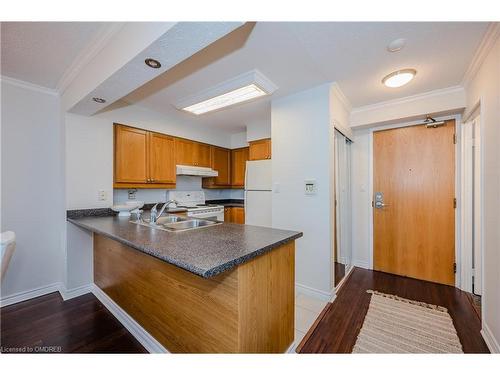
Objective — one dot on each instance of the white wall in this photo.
(259, 129)
(239, 140)
(361, 199)
(484, 88)
(89, 150)
(32, 196)
(302, 149)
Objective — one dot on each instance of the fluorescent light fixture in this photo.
(241, 89)
(240, 95)
(399, 78)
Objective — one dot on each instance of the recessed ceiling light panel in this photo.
(399, 78)
(240, 95)
(152, 63)
(99, 100)
(396, 45)
(240, 89)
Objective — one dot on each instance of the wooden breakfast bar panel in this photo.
(249, 308)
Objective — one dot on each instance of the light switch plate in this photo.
(310, 187)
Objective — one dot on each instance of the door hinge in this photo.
(454, 139)
(454, 268)
(372, 204)
(454, 202)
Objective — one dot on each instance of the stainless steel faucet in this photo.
(154, 212)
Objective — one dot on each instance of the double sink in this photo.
(172, 223)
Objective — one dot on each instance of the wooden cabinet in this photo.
(189, 152)
(221, 162)
(203, 157)
(260, 150)
(131, 154)
(142, 158)
(162, 168)
(184, 151)
(234, 215)
(239, 159)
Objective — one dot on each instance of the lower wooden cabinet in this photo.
(234, 215)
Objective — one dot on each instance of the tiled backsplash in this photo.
(191, 183)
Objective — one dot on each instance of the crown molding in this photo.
(408, 99)
(28, 85)
(341, 96)
(490, 36)
(88, 53)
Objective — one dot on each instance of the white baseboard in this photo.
(490, 340)
(29, 294)
(315, 293)
(143, 336)
(361, 264)
(342, 282)
(75, 292)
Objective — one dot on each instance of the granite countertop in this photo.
(205, 251)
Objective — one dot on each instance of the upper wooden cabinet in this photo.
(131, 154)
(260, 150)
(162, 167)
(142, 158)
(221, 162)
(239, 159)
(192, 153)
(184, 151)
(203, 155)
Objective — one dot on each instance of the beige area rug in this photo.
(398, 325)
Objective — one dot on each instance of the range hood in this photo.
(189, 170)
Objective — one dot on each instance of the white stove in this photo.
(194, 202)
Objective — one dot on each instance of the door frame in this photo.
(458, 166)
(474, 114)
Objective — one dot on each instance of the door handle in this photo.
(379, 200)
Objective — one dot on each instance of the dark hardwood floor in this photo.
(78, 325)
(339, 326)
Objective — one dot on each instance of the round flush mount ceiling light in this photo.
(99, 100)
(399, 78)
(396, 45)
(152, 63)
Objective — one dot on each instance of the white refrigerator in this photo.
(258, 193)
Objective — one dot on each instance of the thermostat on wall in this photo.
(310, 187)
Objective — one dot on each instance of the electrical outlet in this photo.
(102, 195)
(131, 194)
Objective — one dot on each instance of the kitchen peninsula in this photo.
(227, 288)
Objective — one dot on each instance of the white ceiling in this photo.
(297, 55)
(293, 55)
(41, 52)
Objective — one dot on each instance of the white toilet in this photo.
(8, 240)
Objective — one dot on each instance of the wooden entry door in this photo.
(414, 232)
